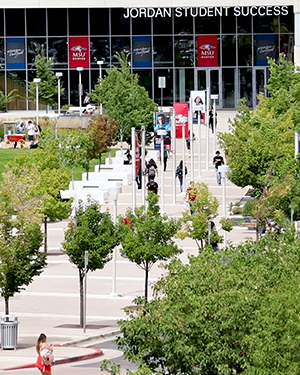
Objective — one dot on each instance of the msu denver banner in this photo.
(141, 52)
(79, 52)
(208, 50)
(15, 53)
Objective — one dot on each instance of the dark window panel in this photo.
(244, 24)
(1, 22)
(95, 74)
(184, 51)
(78, 21)
(168, 98)
(74, 82)
(141, 26)
(17, 80)
(36, 22)
(34, 47)
(163, 25)
(2, 54)
(15, 22)
(229, 50)
(100, 50)
(229, 24)
(99, 21)
(163, 51)
(245, 50)
(287, 46)
(228, 90)
(183, 25)
(265, 24)
(145, 79)
(58, 52)
(119, 24)
(57, 22)
(287, 22)
(207, 25)
(184, 84)
(245, 85)
(119, 45)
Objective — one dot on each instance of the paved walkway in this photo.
(51, 303)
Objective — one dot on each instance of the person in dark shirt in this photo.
(152, 186)
(217, 161)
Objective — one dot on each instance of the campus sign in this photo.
(207, 11)
(79, 52)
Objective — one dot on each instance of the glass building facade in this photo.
(193, 48)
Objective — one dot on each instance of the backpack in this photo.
(152, 186)
(151, 171)
(47, 356)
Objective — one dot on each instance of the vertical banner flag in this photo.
(181, 119)
(199, 105)
(137, 155)
(141, 52)
(15, 53)
(79, 52)
(162, 121)
(266, 46)
(208, 50)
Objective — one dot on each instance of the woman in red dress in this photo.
(41, 344)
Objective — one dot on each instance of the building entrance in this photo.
(260, 79)
(210, 77)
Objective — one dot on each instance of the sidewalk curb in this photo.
(97, 353)
(117, 331)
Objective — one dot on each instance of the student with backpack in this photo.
(151, 170)
(179, 173)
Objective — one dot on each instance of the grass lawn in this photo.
(8, 154)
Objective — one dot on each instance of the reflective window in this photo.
(207, 25)
(15, 22)
(183, 25)
(1, 22)
(119, 45)
(184, 51)
(145, 79)
(245, 50)
(58, 52)
(119, 24)
(2, 81)
(228, 90)
(99, 21)
(74, 82)
(287, 46)
(141, 26)
(287, 22)
(99, 48)
(245, 85)
(17, 80)
(34, 47)
(228, 24)
(229, 50)
(162, 25)
(244, 24)
(168, 91)
(57, 22)
(95, 74)
(36, 22)
(265, 24)
(184, 84)
(163, 50)
(2, 54)
(78, 21)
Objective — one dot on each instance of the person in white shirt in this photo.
(31, 131)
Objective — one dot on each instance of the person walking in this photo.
(41, 346)
(152, 186)
(179, 173)
(191, 196)
(218, 161)
(211, 118)
(151, 170)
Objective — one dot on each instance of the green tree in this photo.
(102, 130)
(204, 209)
(125, 100)
(5, 99)
(48, 87)
(20, 233)
(235, 311)
(92, 231)
(148, 239)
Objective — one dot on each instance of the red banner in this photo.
(137, 155)
(79, 52)
(181, 119)
(208, 50)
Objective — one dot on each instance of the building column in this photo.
(297, 39)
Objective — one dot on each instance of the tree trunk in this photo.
(146, 281)
(81, 277)
(6, 299)
(45, 236)
(99, 167)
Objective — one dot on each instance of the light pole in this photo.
(161, 85)
(37, 81)
(58, 75)
(224, 169)
(214, 97)
(86, 262)
(100, 63)
(162, 133)
(80, 91)
(115, 191)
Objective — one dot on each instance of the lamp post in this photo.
(37, 81)
(58, 75)
(80, 91)
(224, 169)
(161, 85)
(214, 97)
(86, 261)
(162, 133)
(100, 63)
(115, 191)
